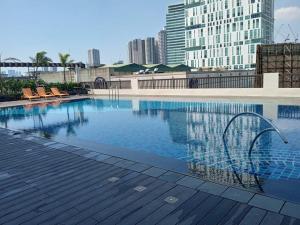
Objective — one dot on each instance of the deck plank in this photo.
(272, 219)
(128, 214)
(290, 221)
(201, 211)
(254, 217)
(236, 214)
(215, 216)
(182, 211)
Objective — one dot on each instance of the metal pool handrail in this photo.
(274, 128)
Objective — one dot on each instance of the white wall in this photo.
(270, 89)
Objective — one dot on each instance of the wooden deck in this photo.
(48, 183)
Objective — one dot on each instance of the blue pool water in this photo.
(189, 132)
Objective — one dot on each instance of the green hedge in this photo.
(11, 89)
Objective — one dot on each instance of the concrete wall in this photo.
(270, 89)
(79, 75)
(56, 77)
(90, 74)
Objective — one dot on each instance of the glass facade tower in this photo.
(175, 29)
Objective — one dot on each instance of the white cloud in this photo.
(291, 14)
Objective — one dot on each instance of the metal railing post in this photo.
(173, 82)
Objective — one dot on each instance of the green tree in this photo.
(65, 61)
(39, 60)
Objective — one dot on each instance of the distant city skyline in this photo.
(136, 51)
(84, 26)
(150, 50)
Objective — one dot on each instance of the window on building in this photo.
(234, 27)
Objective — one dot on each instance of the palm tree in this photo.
(65, 61)
(40, 59)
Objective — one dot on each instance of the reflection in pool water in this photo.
(187, 131)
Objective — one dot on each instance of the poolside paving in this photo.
(44, 182)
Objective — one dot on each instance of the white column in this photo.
(77, 74)
(271, 81)
(134, 84)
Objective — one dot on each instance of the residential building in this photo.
(225, 34)
(130, 52)
(175, 28)
(150, 51)
(136, 51)
(161, 44)
(94, 57)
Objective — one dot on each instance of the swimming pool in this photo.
(189, 132)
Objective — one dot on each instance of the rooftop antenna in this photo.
(292, 31)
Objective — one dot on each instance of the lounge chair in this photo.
(42, 93)
(58, 93)
(27, 94)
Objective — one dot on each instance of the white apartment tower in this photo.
(94, 57)
(150, 50)
(136, 51)
(225, 33)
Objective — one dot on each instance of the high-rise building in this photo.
(175, 29)
(130, 52)
(150, 50)
(94, 57)
(225, 34)
(162, 47)
(136, 51)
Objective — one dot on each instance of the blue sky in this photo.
(77, 25)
